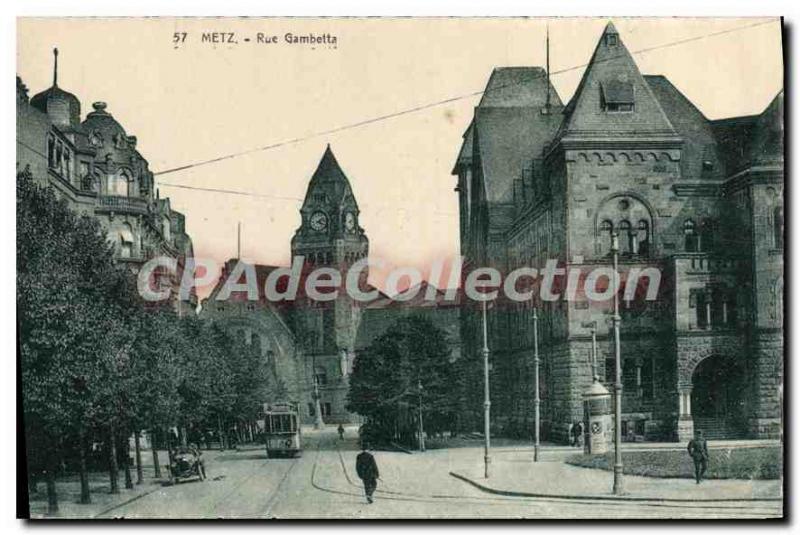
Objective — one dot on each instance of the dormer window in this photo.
(612, 39)
(616, 96)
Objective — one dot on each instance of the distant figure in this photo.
(367, 470)
(340, 430)
(577, 434)
(698, 451)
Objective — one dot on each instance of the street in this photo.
(322, 484)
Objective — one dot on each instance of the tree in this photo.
(69, 292)
(385, 379)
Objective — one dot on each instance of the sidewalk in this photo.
(513, 473)
(68, 490)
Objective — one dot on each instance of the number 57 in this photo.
(178, 37)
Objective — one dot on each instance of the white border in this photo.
(333, 8)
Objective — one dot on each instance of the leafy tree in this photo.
(384, 385)
(68, 290)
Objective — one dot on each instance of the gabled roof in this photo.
(752, 140)
(506, 140)
(767, 146)
(465, 154)
(418, 301)
(700, 140)
(612, 70)
(509, 129)
(510, 87)
(330, 180)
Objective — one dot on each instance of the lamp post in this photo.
(318, 422)
(592, 326)
(536, 399)
(486, 402)
(619, 487)
(421, 429)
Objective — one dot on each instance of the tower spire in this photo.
(55, 67)
(239, 240)
(547, 67)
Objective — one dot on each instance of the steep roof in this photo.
(506, 140)
(418, 301)
(510, 87)
(700, 140)
(767, 146)
(509, 129)
(465, 154)
(330, 180)
(752, 140)
(612, 73)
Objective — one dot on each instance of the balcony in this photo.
(120, 204)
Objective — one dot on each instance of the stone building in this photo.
(700, 200)
(311, 342)
(95, 166)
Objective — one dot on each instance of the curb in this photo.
(401, 449)
(602, 497)
(128, 501)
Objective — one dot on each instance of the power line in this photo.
(423, 107)
(297, 199)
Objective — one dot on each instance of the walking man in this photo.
(698, 451)
(340, 430)
(367, 470)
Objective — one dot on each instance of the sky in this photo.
(196, 100)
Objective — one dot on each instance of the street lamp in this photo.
(487, 404)
(536, 400)
(318, 422)
(619, 487)
(592, 326)
(421, 429)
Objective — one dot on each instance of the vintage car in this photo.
(185, 463)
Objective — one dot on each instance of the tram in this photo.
(282, 435)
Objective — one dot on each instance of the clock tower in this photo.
(329, 236)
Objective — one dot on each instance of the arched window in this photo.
(118, 184)
(606, 230)
(708, 235)
(320, 376)
(644, 238)
(51, 151)
(165, 225)
(626, 237)
(125, 242)
(778, 226)
(691, 241)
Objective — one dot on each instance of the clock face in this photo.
(349, 221)
(319, 221)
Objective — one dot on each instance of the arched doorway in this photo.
(717, 398)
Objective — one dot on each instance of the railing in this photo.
(122, 204)
(695, 263)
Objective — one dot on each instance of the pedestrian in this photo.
(340, 430)
(579, 435)
(367, 470)
(698, 451)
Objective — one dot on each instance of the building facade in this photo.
(699, 200)
(311, 342)
(94, 165)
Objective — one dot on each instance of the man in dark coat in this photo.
(698, 451)
(367, 470)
